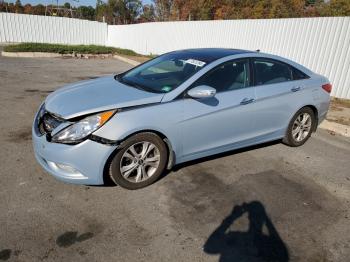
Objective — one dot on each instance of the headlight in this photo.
(80, 130)
(41, 112)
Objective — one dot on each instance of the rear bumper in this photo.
(77, 164)
(323, 109)
(321, 117)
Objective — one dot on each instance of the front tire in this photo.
(139, 162)
(300, 127)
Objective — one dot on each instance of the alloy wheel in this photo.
(301, 127)
(139, 162)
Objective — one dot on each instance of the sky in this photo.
(80, 2)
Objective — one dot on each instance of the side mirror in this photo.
(202, 91)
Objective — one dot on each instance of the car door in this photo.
(276, 96)
(215, 124)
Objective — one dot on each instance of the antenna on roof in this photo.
(257, 50)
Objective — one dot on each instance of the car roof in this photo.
(211, 54)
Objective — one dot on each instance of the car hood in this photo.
(100, 94)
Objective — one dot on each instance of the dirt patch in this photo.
(294, 213)
(338, 102)
(38, 91)
(4, 73)
(335, 107)
(5, 254)
(340, 120)
(20, 136)
(19, 97)
(71, 237)
(339, 111)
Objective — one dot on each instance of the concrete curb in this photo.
(57, 55)
(52, 55)
(30, 54)
(126, 60)
(336, 128)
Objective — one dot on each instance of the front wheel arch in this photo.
(171, 154)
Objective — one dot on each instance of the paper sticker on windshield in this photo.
(195, 62)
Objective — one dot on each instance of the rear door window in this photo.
(268, 71)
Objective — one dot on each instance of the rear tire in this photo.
(139, 162)
(300, 127)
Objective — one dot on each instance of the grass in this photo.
(69, 49)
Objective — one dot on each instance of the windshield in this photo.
(164, 73)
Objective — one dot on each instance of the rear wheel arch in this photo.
(303, 129)
(314, 109)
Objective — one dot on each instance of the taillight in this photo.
(327, 87)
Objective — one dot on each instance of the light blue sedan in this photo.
(180, 106)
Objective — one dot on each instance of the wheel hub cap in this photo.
(139, 162)
(301, 127)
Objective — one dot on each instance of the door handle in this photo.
(247, 101)
(295, 89)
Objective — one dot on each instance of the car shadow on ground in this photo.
(220, 155)
(109, 183)
(261, 242)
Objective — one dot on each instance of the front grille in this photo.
(48, 122)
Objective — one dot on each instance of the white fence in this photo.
(322, 44)
(47, 29)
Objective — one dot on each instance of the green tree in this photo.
(39, 9)
(163, 9)
(28, 9)
(66, 5)
(148, 14)
(18, 7)
(124, 11)
(336, 8)
(102, 12)
(86, 12)
(206, 9)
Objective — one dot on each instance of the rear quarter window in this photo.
(298, 75)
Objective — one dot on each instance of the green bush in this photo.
(67, 49)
